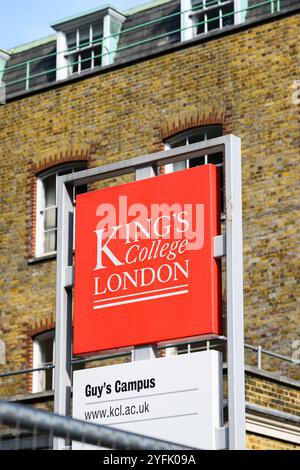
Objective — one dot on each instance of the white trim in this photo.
(40, 203)
(63, 56)
(2, 352)
(186, 21)
(106, 40)
(140, 293)
(141, 299)
(238, 13)
(38, 377)
(39, 231)
(116, 15)
(62, 61)
(189, 18)
(272, 428)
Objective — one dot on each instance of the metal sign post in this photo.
(144, 352)
(144, 167)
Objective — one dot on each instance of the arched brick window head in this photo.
(192, 136)
(43, 198)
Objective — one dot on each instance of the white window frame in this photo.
(189, 18)
(39, 377)
(89, 46)
(40, 203)
(108, 18)
(182, 165)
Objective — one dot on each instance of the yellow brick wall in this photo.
(256, 442)
(247, 78)
(272, 394)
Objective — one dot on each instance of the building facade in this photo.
(111, 85)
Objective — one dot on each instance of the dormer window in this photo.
(84, 47)
(212, 14)
(203, 16)
(88, 41)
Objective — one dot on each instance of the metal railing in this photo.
(188, 347)
(275, 7)
(260, 351)
(44, 426)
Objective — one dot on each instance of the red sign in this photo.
(144, 265)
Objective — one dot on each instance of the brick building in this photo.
(111, 85)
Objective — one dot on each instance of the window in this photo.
(193, 136)
(202, 16)
(87, 41)
(84, 47)
(212, 14)
(46, 216)
(43, 353)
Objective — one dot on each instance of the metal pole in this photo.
(63, 322)
(27, 83)
(141, 353)
(259, 352)
(235, 321)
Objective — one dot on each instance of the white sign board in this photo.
(177, 399)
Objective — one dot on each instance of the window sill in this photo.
(40, 259)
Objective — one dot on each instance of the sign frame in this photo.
(145, 166)
(191, 294)
(146, 398)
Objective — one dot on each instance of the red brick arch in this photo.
(202, 116)
(34, 169)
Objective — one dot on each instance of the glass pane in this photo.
(80, 189)
(48, 358)
(177, 166)
(97, 32)
(86, 60)
(71, 41)
(216, 158)
(213, 20)
(50, 241)
(47, 349)
(98, 56)
(50, 219)
(50, 191)
(200, 23)
(196, 162)
(213, 131)
(198, 4)
(228, 16)
(179, 143)
(199, 137)
(48, 379)
(84, 36)
(73, 61)
(64, 172)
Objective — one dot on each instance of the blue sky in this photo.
(23, 21)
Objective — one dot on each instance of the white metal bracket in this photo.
(219, 246)
(222, 438)
(69, 276)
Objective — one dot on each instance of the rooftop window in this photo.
(203, 16)
(86, 42)
(105, 36)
